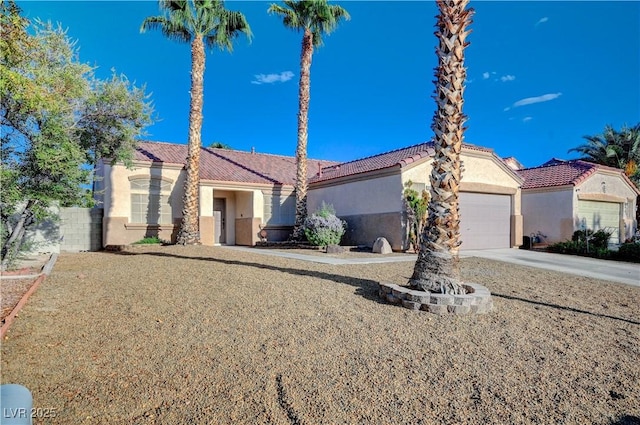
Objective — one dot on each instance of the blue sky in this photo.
(540, 75)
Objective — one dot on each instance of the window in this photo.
(279, 209)
(151, 201)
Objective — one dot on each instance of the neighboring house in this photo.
(560, 197)
(241, 193)
(368, 194)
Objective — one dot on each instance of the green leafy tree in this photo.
(203, 23)
(437, 266)
(44, 90)
(112, 118)
(314, 18)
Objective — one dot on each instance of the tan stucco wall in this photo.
(117, 226)
(367, 196)
(244, 204)
(548, 212)
(117, 203)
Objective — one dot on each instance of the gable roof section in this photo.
(400, 157)
(558, 172)
(230, 165)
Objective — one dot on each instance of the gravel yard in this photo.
(174, 335)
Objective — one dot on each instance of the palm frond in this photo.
(315, 15)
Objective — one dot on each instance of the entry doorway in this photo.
(219, 218)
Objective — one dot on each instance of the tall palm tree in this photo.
(314, 18)
(619, 149)
(202, 23)
(436, 269)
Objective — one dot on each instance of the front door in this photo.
(219, 218)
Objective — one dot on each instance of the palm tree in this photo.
(314, 18)
(619, 149)
(436, 269)
(202, 23)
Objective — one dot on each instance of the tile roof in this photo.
(399, 157)
(230, 165)
(557, 172)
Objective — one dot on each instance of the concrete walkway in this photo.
(326, 259)
(613, 271)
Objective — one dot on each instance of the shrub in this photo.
(597, 240)
(323, 228)
(628, 252)
(149, 240)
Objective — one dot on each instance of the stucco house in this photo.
(241, 193)
(367, 194)
(560, 197)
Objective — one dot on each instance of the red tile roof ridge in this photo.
(571, 172)
(235, 150)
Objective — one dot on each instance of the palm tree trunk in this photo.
(189, 233)
(304, 95)
(436, 269)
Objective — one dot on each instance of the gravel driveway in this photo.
(174, 335)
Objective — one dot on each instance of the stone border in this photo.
(477, 300)
(46, 270)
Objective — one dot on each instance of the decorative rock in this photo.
(381, 246)
(334, 249)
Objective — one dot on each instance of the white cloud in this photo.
(542, 21)
(272, 78)
(508, 108)
(536, 99)
(485, 75)
(507, 77)
(525, 119)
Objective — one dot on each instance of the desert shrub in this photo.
(628, 252)
(567, 247)
(323, 228)
(149, 240)
(597, 240)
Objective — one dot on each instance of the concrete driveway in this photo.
(614, 271)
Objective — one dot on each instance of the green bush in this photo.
(150, 240)
(628, 252)
(323, 228)
(597, 240)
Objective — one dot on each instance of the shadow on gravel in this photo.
(364, 287)
(626, 420)
(561, 307)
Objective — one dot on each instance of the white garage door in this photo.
(600, 215)
(485, 220)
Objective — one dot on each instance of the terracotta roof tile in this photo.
(399, 157)
(557, 173)
(230, 165)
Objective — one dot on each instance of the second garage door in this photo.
(600, 215)
(485, 221)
